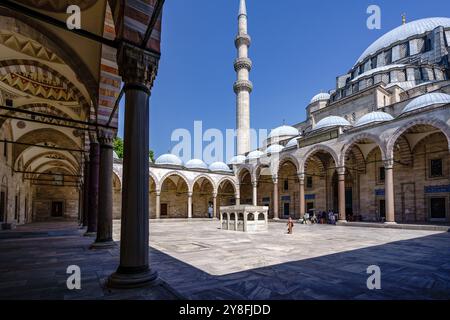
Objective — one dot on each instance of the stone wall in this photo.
(44, 196)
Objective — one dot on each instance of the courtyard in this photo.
(196, 260)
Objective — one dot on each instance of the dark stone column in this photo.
(105, 194)
(93, 188)
(138, 70)
(86, 193)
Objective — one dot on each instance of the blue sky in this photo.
(298, 49)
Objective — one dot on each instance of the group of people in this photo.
(321, 218)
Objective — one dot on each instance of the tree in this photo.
(118, 148)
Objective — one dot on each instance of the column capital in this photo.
(106, 137)
(190, 194)
(255, 184)
(388, 163)
(275, 179)
(301, 176)
(137, 66)
(340, 171)
(158, 192)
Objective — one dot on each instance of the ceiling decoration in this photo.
(27, 46)
(37, 79)
(57, 5)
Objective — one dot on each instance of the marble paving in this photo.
(198, 261)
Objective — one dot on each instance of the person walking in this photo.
(210, 210)
(290, 225)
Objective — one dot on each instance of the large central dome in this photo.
(404, 32)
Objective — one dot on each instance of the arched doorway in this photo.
(202, 197)
(288, 190)
(246, 189)
(424, 195)
(226, 194)
(174, 197)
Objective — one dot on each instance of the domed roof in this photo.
(169, 159)
(320, 97)
(373, 117)
(283, 131)
(237, 160)
(404, 32)
(275, 148)
(426, 100)
(219, 167)
(292, 143)
(255, 154)
(196, 164)
(332, 121)
(115, 156)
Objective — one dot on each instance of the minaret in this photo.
(243, 87)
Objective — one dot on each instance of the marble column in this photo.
(255, 193)
(189, 205)
(158, 204)
(138, 69)
(301, 178)
(341, 192)
(105, 192)
(214, 205)
(389, 191)
(276, 207)
(94, 166)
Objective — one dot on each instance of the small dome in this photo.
(283, 131)
(320, 97)
(115, 156)
(169, 159)
(275, 148)
(237, 160)
(219, 167)
(426, 100)
(332, 121)
(196, 164)
(255, 154)
(292, 143)
(373, 117)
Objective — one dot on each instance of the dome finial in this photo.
(404, 18)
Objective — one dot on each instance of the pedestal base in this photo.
(103, 245)
(276, 219)
(342, 221)
(120, 280)
(90, 234)
(387, 222)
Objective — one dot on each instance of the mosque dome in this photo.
(427, 100)
(219, 167)
(332, 121)
(196, 164)
(404, 32)
(320, 97)
(275, 148)
(292, 143)
(373, 117)
(237, 159)
(255, 154)
(283, 131)
(169, 159)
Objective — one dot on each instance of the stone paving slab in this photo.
(200, 261)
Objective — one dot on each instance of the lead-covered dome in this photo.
(283, 131)
(292, 143)
(255, 154)
(373, 117)
(427, 100)
(169, 159)
(219, 167)
(404, 32)
(320, 97)
(332, 121)
(196, 164)
(237, 159)
(275, 148)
